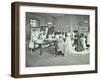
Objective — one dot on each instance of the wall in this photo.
(64, 23)
(5, 40)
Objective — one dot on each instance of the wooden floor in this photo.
(48, 58)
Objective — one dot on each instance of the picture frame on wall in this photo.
(53, 39)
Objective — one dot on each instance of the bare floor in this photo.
(48, 58)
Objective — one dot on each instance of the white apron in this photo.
(61, 45)
(31, 44)
(83, 42)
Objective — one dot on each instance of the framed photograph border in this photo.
(15, 38)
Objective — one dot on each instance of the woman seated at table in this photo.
(42, 35)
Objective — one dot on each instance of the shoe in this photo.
(59, 52)
(62, 54)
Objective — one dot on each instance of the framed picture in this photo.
(53, 39)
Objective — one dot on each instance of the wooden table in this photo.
(40, 43)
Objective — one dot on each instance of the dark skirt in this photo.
(79, 46)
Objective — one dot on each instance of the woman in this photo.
(42, 35)
(31, 45)
(34, 38)
(61, 48)
(79, 45)
(68, 44)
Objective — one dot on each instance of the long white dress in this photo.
(31, 44)
(83, 42)
(34, 38)
(68, 45)
(61, 45)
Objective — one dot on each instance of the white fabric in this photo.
(57, 36)
(43, 36)
(88, 38)
(53, 35)
(63, 36)
(34, 38)
(31, 44)
(83, 42)
(68, 45)
(34, 35)
(46, 30)
(61, 45)
(50, 37)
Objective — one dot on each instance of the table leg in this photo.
(34, 45)
(56, 48)
(40, 49)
